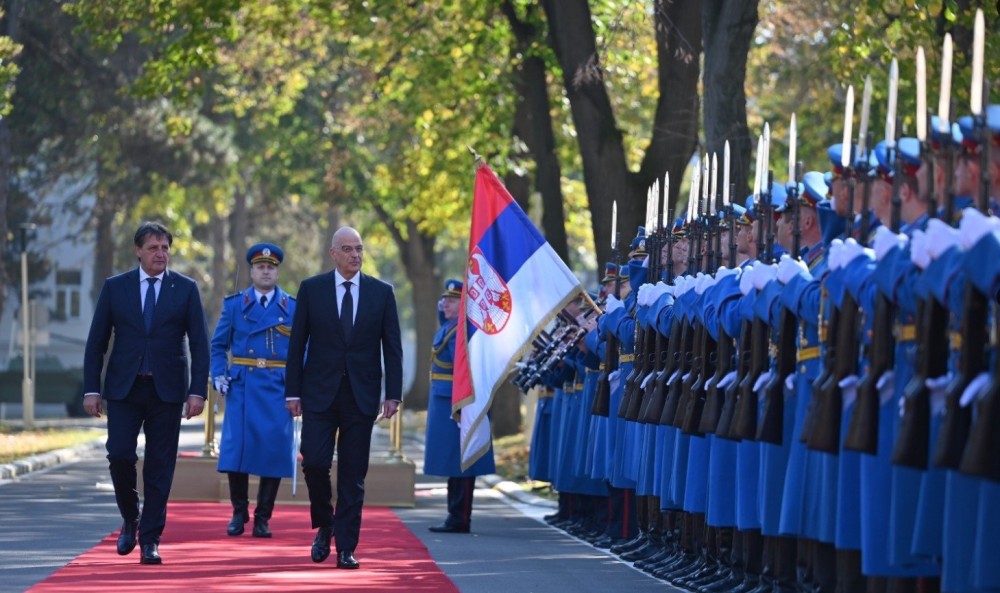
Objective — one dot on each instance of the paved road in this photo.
(51, 516)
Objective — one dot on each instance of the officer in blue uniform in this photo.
(442, 455)
(257, 429)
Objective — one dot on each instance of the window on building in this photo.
(68, 286)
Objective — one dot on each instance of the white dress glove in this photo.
(612, 304)
(940, 237)
(919, 252)
(746, 281)
(221, 384)
(834, 254)
(886, 240)
(974, 225)
(789, 268)
(764, 274)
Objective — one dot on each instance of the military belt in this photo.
(601, 367)
(440, 377)
(956, 341)
(905, 333)
(626, 358)
(260, 363)
(805, 354)
(545, 394)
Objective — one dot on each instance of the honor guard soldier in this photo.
(442, 451)
(257, 430)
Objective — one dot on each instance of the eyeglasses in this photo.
(348, 249)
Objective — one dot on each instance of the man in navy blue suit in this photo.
(152, 311)
(344, 323)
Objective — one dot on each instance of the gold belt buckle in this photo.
(261, 363)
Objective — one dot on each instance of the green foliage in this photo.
(807, 54)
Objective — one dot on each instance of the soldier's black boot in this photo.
(266, 495)
(239, 485)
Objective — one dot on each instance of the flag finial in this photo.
(478, 157)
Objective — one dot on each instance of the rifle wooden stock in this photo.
(682, 360)
(696, 403)
(862, 431)
(825, 434)
(693, 373)
(822, 384)
(714, 399)
(772, 415)
(972, 360)
(745, 423)
(602, 397)
(912, 446)
(659, 360)
(639, 392)
(632, 381)
(981, 457)
(724, 428)
(659, 395)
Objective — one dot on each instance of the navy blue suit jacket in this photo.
(178, 315)
(315, 377)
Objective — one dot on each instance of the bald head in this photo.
(347, 251)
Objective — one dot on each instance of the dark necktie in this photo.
(150, 303)
(347, 310)
(263, 300)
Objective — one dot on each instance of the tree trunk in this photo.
(675, 124)
(239, 230)
(505, 412)
(104, 240)
(417, 252)
(222, 271)
(533, 124)
(4, 193)
(729, 27)
(674, 136)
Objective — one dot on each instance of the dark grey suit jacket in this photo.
(319, 356)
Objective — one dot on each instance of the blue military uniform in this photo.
(257, 429)
(442, 446)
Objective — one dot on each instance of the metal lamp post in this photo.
(27, 383)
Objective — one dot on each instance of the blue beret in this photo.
(265, 252)
(452, 288)
(953, 137)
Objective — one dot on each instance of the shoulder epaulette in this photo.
(229, 296)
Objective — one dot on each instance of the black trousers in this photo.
(351, 429)
(143, 410)
(460, 493)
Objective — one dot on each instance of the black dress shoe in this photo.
(345, 559)
(235, 526)
(321, 545)
(445, 528)
(126, 538)
(150, 554)
(260, 528)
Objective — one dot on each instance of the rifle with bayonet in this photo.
(725, 350)
(773, 412)
(653, 339)
(602, 397)
(974, 352)
(744, 424)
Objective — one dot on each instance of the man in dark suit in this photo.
(152, 312)
(344, 322)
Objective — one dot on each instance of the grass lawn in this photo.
(16, 443)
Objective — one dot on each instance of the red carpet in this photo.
(199, 556)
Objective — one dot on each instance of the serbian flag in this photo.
(514, 285)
